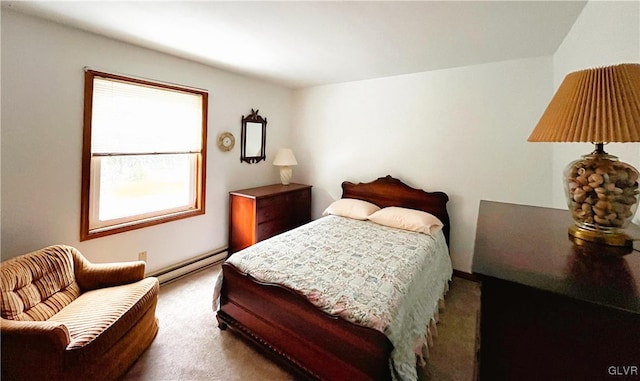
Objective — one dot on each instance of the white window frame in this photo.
(91, 225)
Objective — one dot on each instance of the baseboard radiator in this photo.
(190, 266)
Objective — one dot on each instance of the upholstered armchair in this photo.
(65, 318)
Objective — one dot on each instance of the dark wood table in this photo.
(553, 307)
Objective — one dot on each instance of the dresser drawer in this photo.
(272, 212)
(299, 197)
(271, 228)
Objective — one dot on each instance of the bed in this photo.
(290, 326)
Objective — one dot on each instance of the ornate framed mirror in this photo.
(253, 138)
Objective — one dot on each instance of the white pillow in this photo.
(352, 208)
(407, 219)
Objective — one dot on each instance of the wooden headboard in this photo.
(389, 191)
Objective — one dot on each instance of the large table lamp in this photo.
(600, 106)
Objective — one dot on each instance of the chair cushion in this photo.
(97, 319)
(37, 285)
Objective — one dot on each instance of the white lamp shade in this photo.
(284, 157)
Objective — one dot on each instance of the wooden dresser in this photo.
(553, 308)
(256, 214)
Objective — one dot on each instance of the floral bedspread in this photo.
(376, 276)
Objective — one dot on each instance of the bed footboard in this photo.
(308, 341)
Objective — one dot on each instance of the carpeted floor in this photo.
(189, 345)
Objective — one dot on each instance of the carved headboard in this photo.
(389, 191)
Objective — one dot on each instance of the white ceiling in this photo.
(306, 43)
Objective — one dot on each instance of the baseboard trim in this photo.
(190, 266)
(214, 257)
(465, 275)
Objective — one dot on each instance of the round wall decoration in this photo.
(226, 141)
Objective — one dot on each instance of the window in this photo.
(144, 153)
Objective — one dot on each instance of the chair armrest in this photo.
(91, 276)
(28, 347)
(49, 333)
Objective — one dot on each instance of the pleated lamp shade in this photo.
(600, 105)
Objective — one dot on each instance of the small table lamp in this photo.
(599, 106)
(285, 159)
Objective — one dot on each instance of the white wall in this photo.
(606, 33)
(462, 131)
(42, 106)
